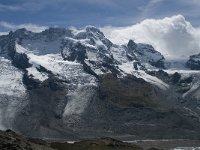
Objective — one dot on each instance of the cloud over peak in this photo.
(30, 27)
(172, 36)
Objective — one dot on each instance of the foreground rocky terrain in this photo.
(74, 84)
(10, 140)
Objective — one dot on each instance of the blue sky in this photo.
(93, 12)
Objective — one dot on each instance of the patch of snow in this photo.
(151, 79)
(92, 55)
(76, 31)
(20, 49)
(99, 43)
(119, 54)
(183, 72)
(32, 71)
(55, 64)
(11, 79)
(127, 67)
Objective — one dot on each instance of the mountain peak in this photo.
(57, 32)
(20, 33)
(132, 45)
(92, 29)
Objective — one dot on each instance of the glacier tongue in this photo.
(151, 79)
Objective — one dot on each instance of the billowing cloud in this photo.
(30, 27)
(173, 37)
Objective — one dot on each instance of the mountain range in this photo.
(75, 83)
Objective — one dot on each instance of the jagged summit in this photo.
(145, 53)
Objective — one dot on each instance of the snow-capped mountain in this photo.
(75, 83)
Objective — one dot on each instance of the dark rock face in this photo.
(131, 45)
(176, 77)
(127, 92)
(30, 82)
(194, 62)
(21, 61)
(160, 63)
(7, 48)
(55, 33)
(77, 52)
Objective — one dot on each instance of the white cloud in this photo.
(173, 37)
(30, 27)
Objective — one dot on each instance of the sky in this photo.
(80, 13)
(171, 26)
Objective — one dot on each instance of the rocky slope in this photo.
(75, 83)
(11, 140)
